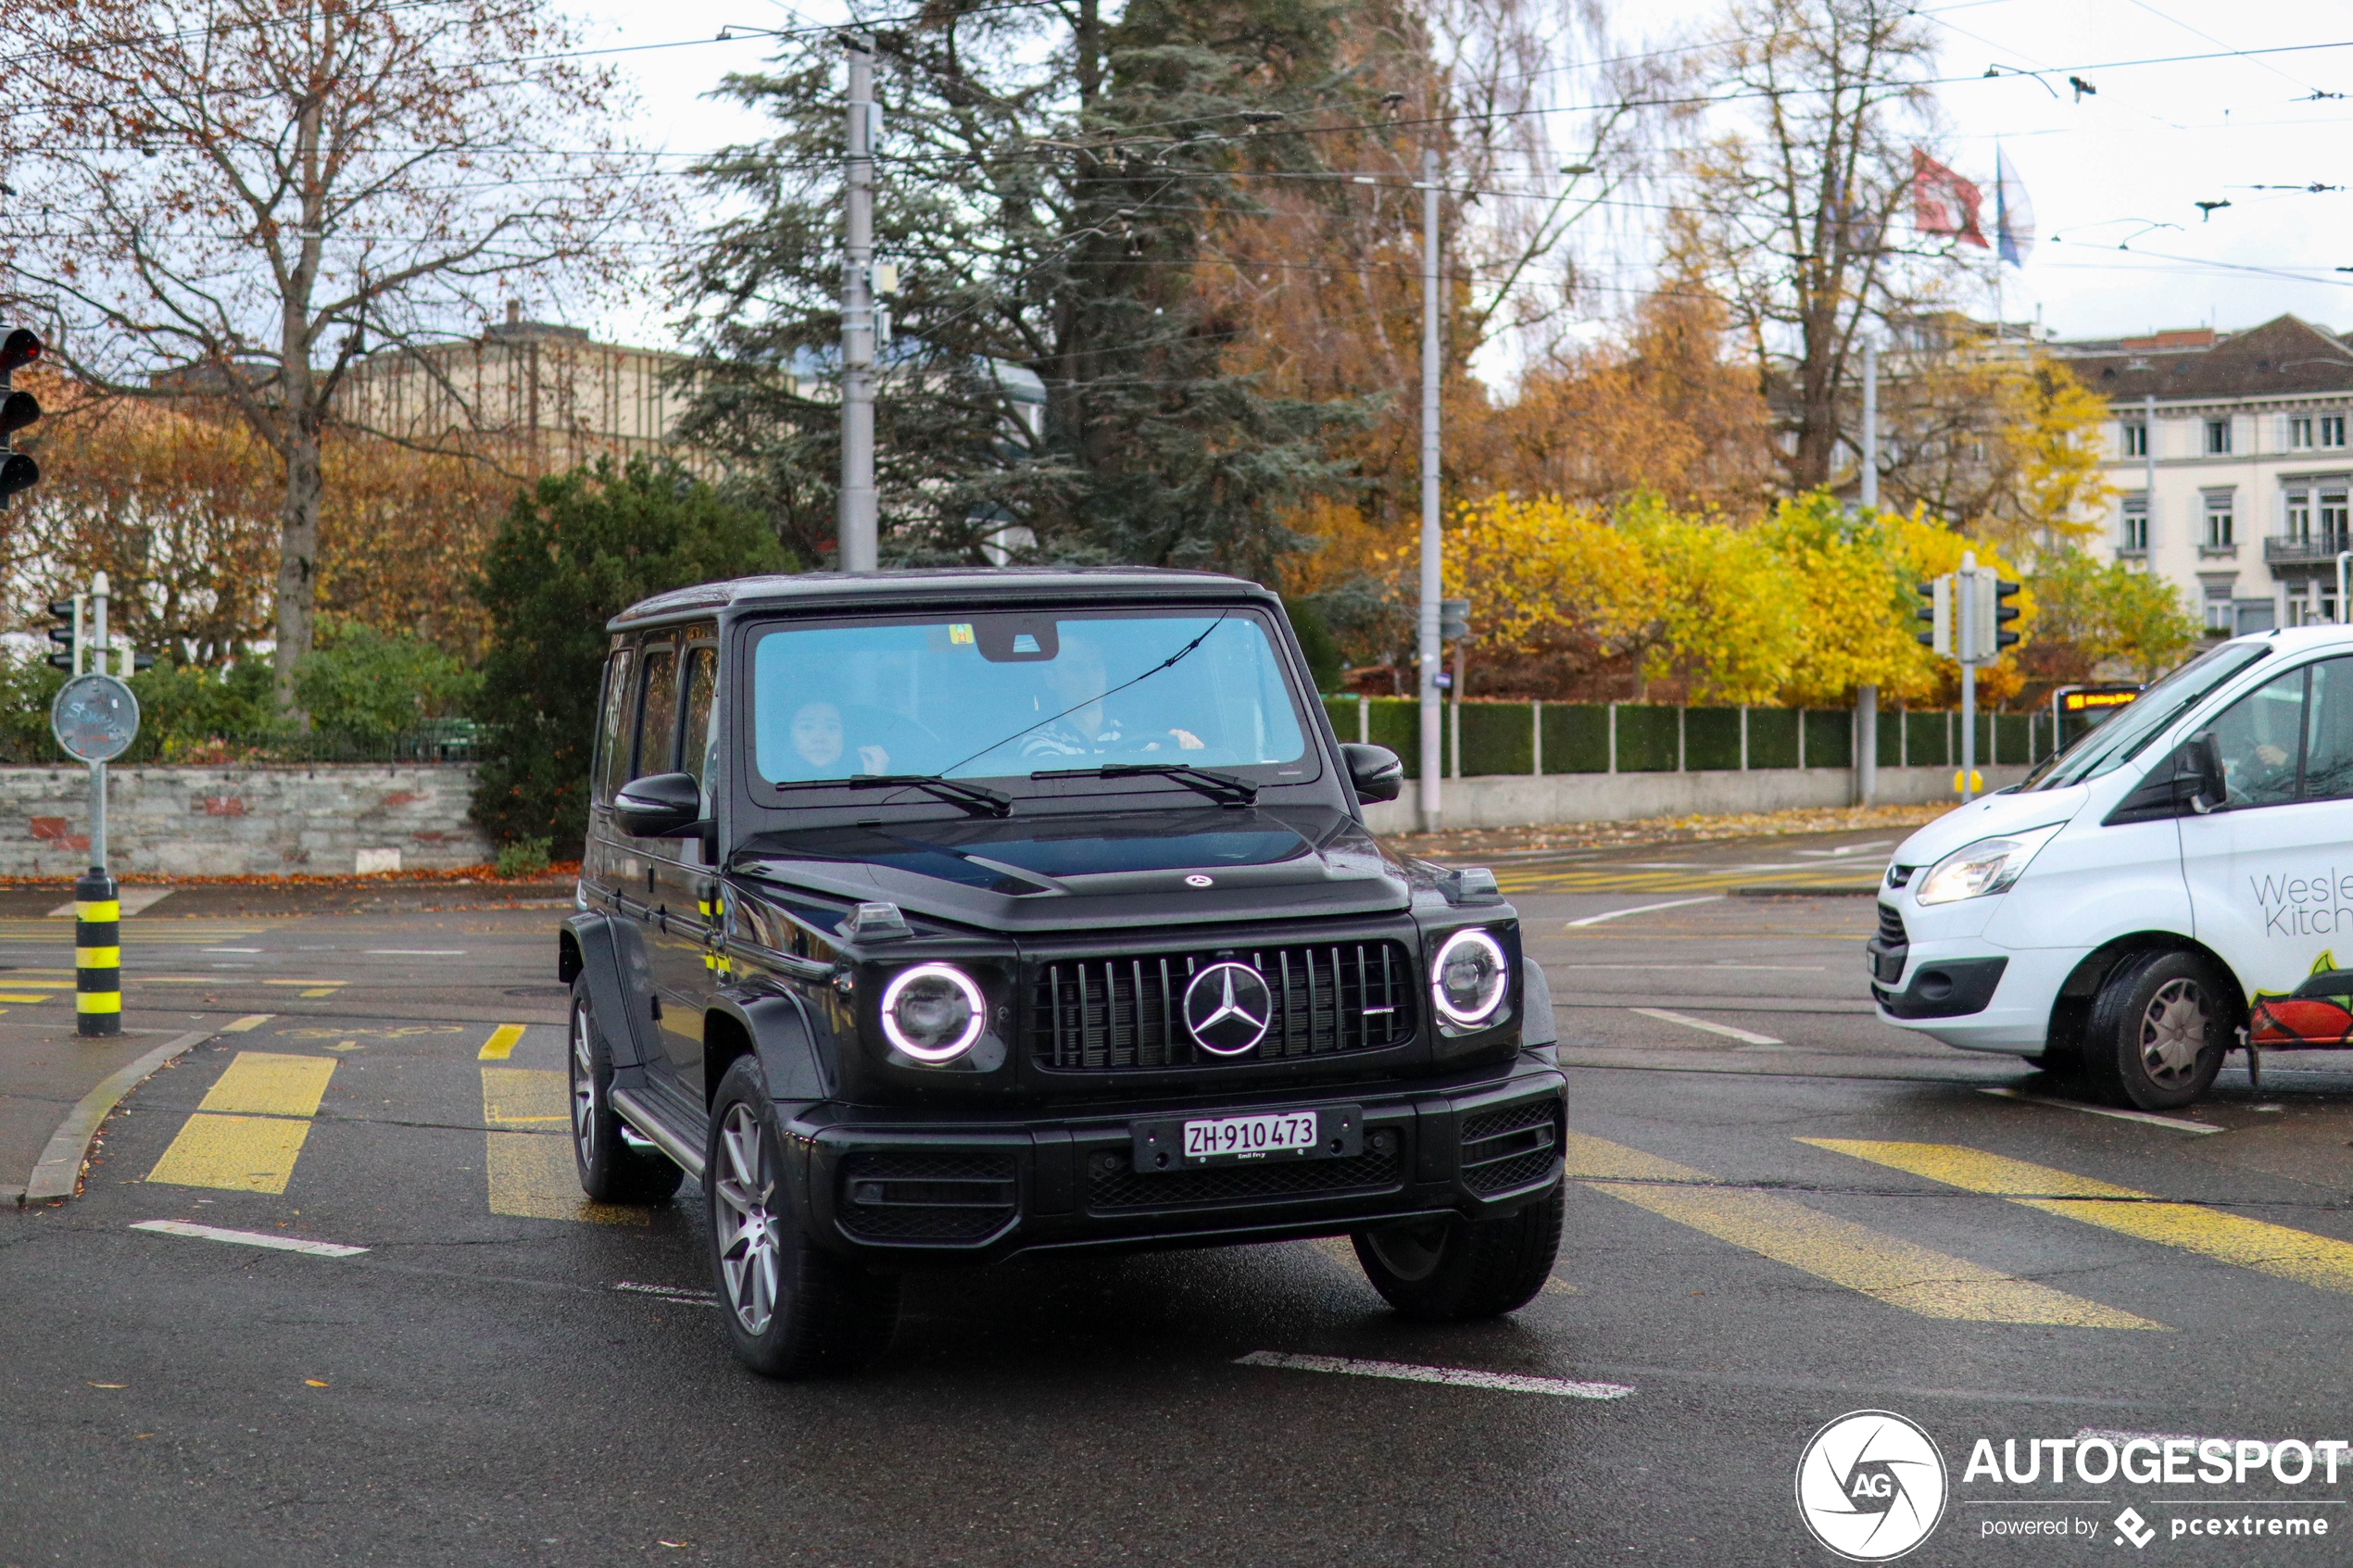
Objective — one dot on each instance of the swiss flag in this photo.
(1943, 202)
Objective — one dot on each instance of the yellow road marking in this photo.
(270, 1084)
(529, 1162)
(23, 996)
(2319, 1261)
(1883, 1267)
(323, 990)
(501, 1044)
(330, 985)
(242, 1153)
(250, 1021)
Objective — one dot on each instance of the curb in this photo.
(58, 1172)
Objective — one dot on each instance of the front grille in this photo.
(892, 1196)
(1897, 876)
(1097, 1015)
(1515, 1146)
(1112, 1183)
(1890, 926)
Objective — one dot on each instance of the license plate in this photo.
(1325, 1133)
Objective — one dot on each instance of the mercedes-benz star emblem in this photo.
(1227, 1008)
(1197, 880)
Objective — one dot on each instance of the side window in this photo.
(2328, 732)
(701, 681)
(613, 730)
(2261, 738)
(658, 721)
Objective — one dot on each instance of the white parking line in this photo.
(2151, 1118)
(1644, 909)
(249, 1238)
(1462, 1377)
(1724, 1029)
(416, 952)
(672, 1293)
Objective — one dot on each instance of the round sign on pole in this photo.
(95, 718)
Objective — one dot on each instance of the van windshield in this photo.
(977, 695)
(2123, 737)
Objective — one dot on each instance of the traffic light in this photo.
(18, 410)
(68, 632)
(1938, 613)
(2003, 614)
(1453, 620)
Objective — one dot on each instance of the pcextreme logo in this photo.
(1872, 1485)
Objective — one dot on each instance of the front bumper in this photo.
(2008, 994)
(894, 1189)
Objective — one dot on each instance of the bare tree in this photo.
(241, 197)
(1799, 196)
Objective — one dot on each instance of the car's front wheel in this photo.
(1453, 1270)
(790, 1309)
(2158, 1032)
(610, 1172)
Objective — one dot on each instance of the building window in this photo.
(2334, 522)
(2218, 620)
(2333, 430)
(2299, 433)
(2218, 523)
(2136, 524)
(2218, 438)
(2136, 440)
(2297, 527)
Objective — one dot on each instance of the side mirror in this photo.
(2199, 781)
(658, 806)
(1374, 772)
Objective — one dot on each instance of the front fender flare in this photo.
(778, 1028)
(1538, 1024)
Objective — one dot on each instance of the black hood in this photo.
(1055, 871)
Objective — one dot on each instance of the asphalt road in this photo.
(1782, 1211)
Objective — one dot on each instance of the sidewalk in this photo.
(46, 1070)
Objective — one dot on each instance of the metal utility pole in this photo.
(857, 522)
(2149, 478)
(1966, 625)
(1427, 661)
(1866, 696)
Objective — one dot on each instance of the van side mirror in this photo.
(2190, 781)
(1374, 772)
(658, 806)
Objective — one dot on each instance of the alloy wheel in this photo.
(584, 1088)
(2174, 1031)
(748, 1248)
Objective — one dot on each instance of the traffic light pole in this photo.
(1432, 584)
(97, 908)
(1965, 618)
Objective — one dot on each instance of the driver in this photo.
(1076, 680)
(817, 740)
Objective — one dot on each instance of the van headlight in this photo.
(933, 1011)
(1988, 866)
(1470, 979)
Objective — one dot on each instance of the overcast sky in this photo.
(2153, 142)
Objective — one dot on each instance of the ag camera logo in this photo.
(1872, 1485)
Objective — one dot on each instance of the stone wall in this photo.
(1498, 800)
(242, 822)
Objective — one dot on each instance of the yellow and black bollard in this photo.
(97, 956)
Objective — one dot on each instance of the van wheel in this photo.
(610, 1172)
(790, 1309)
(2158, 1032)
(1455, 1270)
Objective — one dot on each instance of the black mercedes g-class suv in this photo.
(940, 916)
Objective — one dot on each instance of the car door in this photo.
(2270, 875)
(685, 887)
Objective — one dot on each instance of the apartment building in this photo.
(2227, 451)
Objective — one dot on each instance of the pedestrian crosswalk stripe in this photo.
(501, 1043)
(2279, 1250)
(249, 1128)
(270, 1084)
(528, 1158)
(1885, 1267)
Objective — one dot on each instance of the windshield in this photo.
(2123, 737)
(995, 696)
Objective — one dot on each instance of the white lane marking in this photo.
(1459, 1376)
(1724, 1029)
(1688, 968)
(2175, 1123)
(1644, 909)
(249, 1238)
(672, 1293)
(230, 950)
(1852, 848)
(416, 952)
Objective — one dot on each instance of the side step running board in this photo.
(656, 1131)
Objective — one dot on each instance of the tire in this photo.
(610, 1172)
(791, 1311)
(1455, 1269)
(2159, 1029)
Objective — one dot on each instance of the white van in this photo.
(2176, 885)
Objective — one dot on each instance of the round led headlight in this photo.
(1470, 979)
(933, 1011)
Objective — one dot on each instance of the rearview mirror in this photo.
(658, 806)
(1374, 770)
(2189, 781)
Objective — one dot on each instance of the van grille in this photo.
(1109, 1015)
(1890, 926)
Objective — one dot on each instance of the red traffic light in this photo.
(21, 348)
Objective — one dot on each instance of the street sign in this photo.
(95, 718)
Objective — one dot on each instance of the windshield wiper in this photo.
(979, 796)
(1224, 788)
